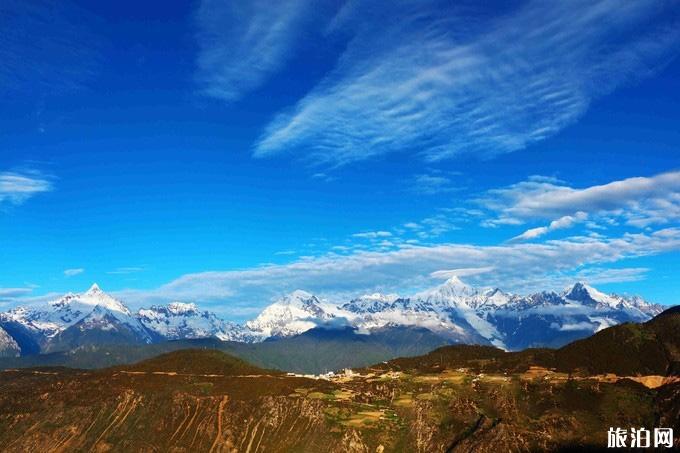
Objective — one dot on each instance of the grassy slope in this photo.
(198, 361)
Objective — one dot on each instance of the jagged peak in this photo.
(300, 294)
(379, 297)
(576, 286)
(182, 307)
(454, 287)
(296, 297)
(581, 291)
(94, 289)
(455, 281)
(96, 296)
(580, 287)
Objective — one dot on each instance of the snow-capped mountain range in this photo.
(453, 310)
(463, 314)
(179, 320)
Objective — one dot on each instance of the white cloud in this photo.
(446, 82)
(73, 272)
(518, 267)
(12, 293)
(616, 275)
(242, 43)
(372, 235)
(16, 188)
(639, 201)
(431, 184)
(567, 327)
(463, 272)
(285, 252)
(562, 223)
(436, 225)
(123, 270)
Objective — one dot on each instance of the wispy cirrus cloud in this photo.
(126, 270)
(11, 293)
(615, 275)
(244, 43)
(442, 81)
(73, 272)
(432, 183)
(17, 187)
(638, 201)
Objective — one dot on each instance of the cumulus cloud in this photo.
(520, 267)
(441, 80)
(73, 272)
(17, 187)
(640, 201)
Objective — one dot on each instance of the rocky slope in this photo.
(8, 346)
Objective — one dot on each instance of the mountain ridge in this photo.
(455, 311)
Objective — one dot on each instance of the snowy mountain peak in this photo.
(302, 300)
(94, 289)
(454, 310)
(372, 303)
(294, 313)
(95, 296)
(379, 297)
(296, 296)
(497, 297)
(179, 320)
(452, 292)
(91, 298)
(582, 292)
(577, 289)
(178, 308)
(455, 282)
(456, 287)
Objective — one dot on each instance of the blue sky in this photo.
(224, 153)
